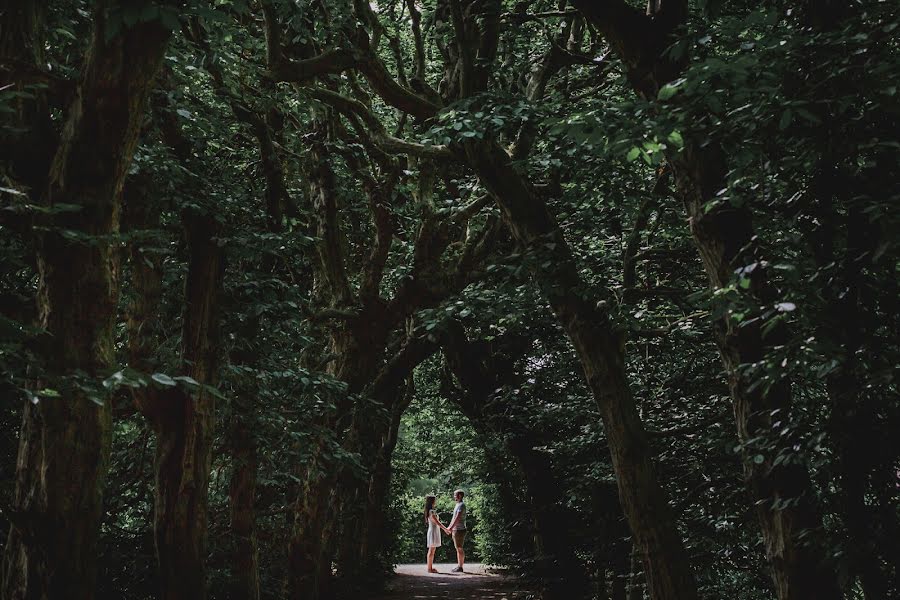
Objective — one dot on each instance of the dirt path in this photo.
(413, 583)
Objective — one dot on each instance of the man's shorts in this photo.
(459, 536)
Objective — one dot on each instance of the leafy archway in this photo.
(647, 253)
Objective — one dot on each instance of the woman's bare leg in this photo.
(431, 559)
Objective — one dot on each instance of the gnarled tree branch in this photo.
(376, 130)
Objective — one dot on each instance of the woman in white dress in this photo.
(434, 531)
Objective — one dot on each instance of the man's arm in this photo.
(453, 520)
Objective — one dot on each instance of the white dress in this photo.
(434, 532)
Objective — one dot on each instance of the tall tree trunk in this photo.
(312, 532)
(242, 496)
(726, 241)
(309, 560)
(305, 547)
(242, 436)
(372, 542)
(242, 488)
(600, 350)
(361, 543)
(185, 422)
(356, 567)
(725, 237)
(393, 389)
(182, 416)
(65, 442)
(356, 344)
(373, 436)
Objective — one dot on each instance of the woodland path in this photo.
(412, 582)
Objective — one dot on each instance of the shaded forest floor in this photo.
(412, 582)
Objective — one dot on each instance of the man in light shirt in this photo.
(457, 529)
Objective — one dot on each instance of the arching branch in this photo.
(361, 57)
(375, 129)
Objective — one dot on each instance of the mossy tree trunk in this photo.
(184, 420)
(65, 441)
(785, 500)
(600, 350)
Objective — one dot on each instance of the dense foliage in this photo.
(273, 270)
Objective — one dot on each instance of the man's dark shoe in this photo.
(457, 570)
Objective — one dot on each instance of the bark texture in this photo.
(364, 351)
(184, 421)
(600, 350)
(182, 416)
(242, 499)
(65, 442)
(267, 128)
(792, 532)
(374, 436)
(727, 242)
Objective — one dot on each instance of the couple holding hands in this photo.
(456, 529)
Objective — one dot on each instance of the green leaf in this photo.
(676, 139)
(66, 33)
(163, 379)
(125, 377)
(786, 118)
(213, 391)
(633, 154)
(771, 324)
(808, 116)
(190, 381)
(669, 90)
(666, 92)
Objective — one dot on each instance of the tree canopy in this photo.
(274, 270)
